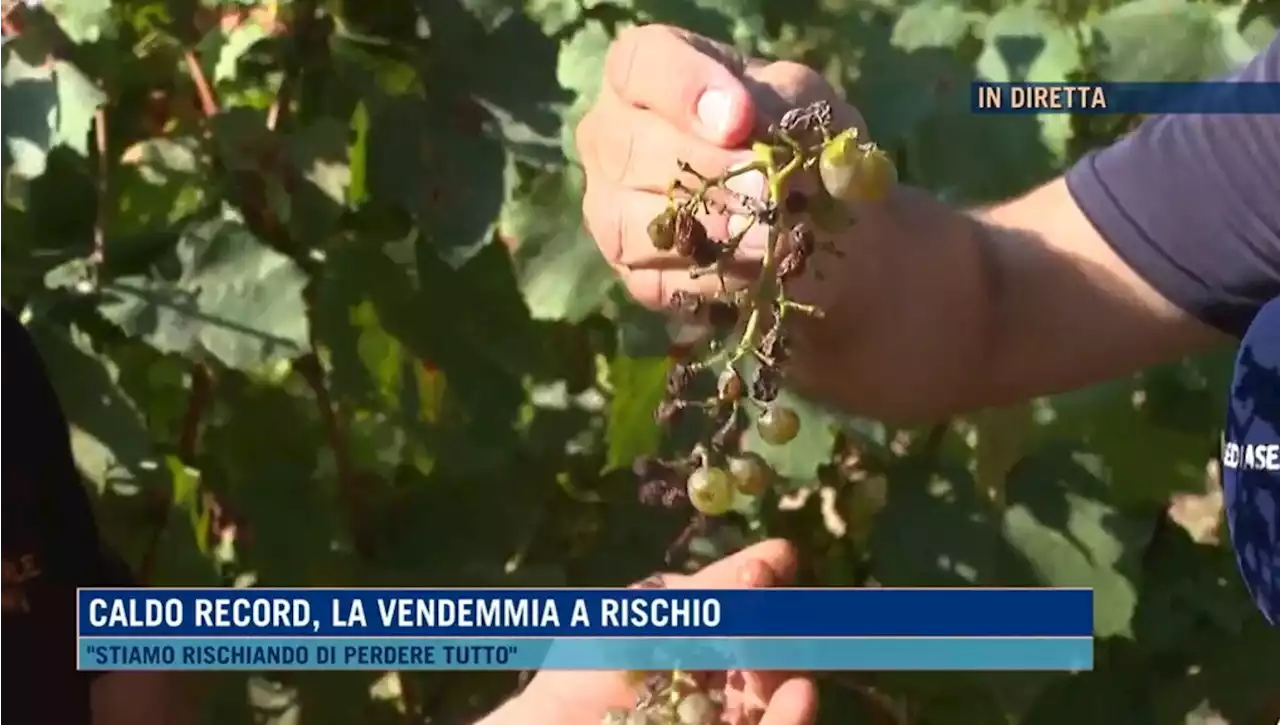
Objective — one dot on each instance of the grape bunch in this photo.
(675, 698)
(750, 340)
(717, 471)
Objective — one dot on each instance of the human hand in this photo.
(671, 96)
(765, 698)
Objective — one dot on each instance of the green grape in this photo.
(876, 175)
(779, 425)
(854, 172)
(662, 230)
(711, 490)
(697, 708)
(751, 474)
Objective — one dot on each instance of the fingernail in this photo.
(715, 110)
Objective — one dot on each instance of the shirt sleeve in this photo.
(1192, 204)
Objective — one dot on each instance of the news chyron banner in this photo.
(1218, 97)
(585, 629)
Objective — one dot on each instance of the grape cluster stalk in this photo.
(750, 329)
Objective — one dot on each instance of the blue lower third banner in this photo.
(1216, 97)
(620, 653)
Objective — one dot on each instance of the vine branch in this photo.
(300, 39)
(311, 370)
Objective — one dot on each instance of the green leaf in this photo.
(30, 125)
(953, 537)
(448, 176)
(1059, 521)
(321, 155)
(1127, 52)
(84, 21)
(562, 274)
(1026, 43)
(738, 22)
(639, 385)
(233, 298)
(1110, 696)
(934, 24)
(239, 41)
(1121, 423)
(985, 158)
(78, 101)
(108, 434)
(578, 69)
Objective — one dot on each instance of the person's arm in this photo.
(1157, 246)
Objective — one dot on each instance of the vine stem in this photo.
(300, 39)
(312, 371)
(188, 442)
(208, 101)
(99, 254)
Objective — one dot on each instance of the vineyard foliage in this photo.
(313, 286)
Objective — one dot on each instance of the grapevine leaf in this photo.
(78, 101)
(1026, 43)
(933, 24)
(1190, 594)
(108, 435)
(578, 70)
(31, 95)
(483, 372)
(1001, 155)
(1105, 697)
(449, 177)
(158, 182)
(902, 74)
(492, 13)
(1123, 421)
(740, 22)
(562, 274)
(234, 298)
(84, 21)
(1058, 520)
(320, 154)
(239, 41)
(955, 540)
(1127, 53)
(1232, 678)
(639, 385)
(1244, 35)
(515, 82)
(554, 16)
(269, 464)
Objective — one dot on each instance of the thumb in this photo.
(690, 81)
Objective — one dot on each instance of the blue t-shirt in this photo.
(1192, 204)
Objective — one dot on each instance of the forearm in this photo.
(981, 309)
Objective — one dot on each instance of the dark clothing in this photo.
(51, 546)
(1192, 204)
